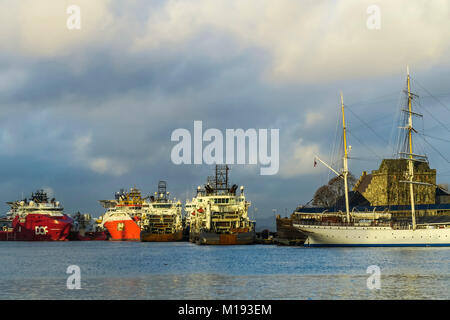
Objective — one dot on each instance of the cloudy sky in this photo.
(88, 111)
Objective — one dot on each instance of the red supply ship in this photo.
(123, 215)
(37, 219)
(85, 228)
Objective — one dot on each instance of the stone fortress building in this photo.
(383, 187)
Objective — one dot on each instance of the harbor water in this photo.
(136, 270)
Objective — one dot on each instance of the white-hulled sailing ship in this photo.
(377, 229)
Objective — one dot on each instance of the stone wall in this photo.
(385, 187)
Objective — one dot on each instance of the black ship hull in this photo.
(287, 234)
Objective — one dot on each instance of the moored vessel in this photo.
(36, 219)
(123, 215)
(86, 228)
(219, 215)
(287, 234)
(162, 218)
(188, 208)
(378, 228)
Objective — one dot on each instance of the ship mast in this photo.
(344, 174)
(347, 206)
(410, 161)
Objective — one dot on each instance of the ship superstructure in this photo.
(377, 228)
(162, 218)
(220, 214)
(189, 207)
(85, 227)
(36, 219)
(123, 215)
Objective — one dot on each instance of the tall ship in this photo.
(404, 181)
(162, 218)
(36, 219)
(123, 215)
(219, 214)
(86, 228)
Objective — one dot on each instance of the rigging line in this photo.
(431, 115)
(365, 123)
(380, 125)
(433, 127)
(370, 103)
(338, 146)
(395, 134)
(374, 100)
(431, 95)
(436, 95)
(434, 148)
(381, 119)
(363, 159)
(442, 139)
(365, 145)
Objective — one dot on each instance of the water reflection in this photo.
(186, 271)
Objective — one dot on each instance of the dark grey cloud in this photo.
(108, 102)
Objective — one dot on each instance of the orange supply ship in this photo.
(162, 220)
(123, 215)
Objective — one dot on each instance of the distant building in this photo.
(442, 194)
(384, 187)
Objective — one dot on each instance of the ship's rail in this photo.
(377, 209)
(393, 225)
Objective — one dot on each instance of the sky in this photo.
(85, 112)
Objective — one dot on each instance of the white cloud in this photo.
(313, 41)
(300, 160)
(11, 79)
(37, 28)
(102, 165)
(49, 191)
(314, 118)
(308, 42)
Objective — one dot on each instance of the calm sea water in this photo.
(134, 270)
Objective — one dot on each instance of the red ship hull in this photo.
(123, 230)
(38, 227)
